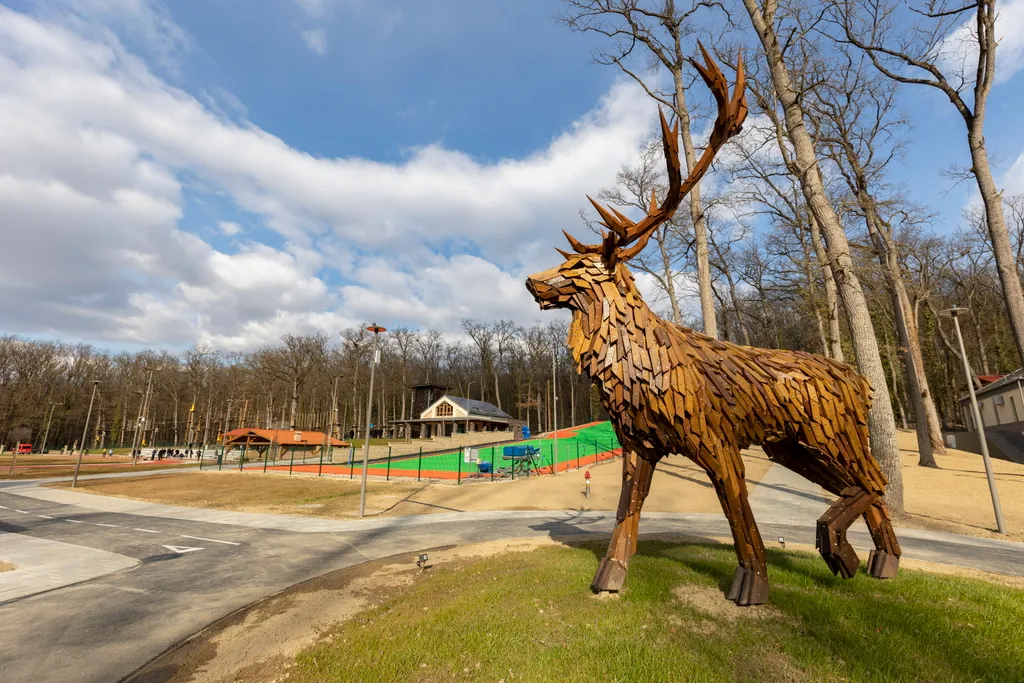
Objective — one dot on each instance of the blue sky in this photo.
(208, 171)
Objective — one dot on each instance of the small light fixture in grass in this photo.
(782, 541)
(421, 561)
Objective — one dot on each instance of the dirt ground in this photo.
(955, 497)
(678, 486)
(6, 566)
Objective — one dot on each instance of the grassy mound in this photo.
(529, 616)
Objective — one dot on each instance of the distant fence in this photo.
(468, 463)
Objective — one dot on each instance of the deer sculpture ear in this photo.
(564, 254)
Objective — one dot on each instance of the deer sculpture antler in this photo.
(626, 238)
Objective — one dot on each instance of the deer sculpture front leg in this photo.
(750, 582)
(636, 483)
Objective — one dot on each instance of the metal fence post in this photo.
(419, 465)
(220, 460)
(241, 458)
(458, 478)
(492, 463)
(266, 456)
(321, 470)
(351, 461)
(388, 476)
(291, 464)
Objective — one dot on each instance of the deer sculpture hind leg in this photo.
(884, 560)
(750, 582)
(636, 483)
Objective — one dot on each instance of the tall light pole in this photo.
(140, 420)
(46, 433)
(471, 383)
(1000, 522)
(554, 409)
(369, 406)
(85, 431)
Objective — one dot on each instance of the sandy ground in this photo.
(953, 498)
(6, 566)
(678, 486)
(956, 498)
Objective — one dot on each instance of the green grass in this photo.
(529, 616)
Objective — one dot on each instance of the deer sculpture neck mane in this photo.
(670, 390)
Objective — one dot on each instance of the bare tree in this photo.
(922, 56)
(765, 22)
(855, 120)
(661, 27)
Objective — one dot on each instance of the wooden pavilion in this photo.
(286, 442)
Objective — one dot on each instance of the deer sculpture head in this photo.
(592, 267)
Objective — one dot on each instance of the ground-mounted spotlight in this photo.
(421, 561)
(782, 541)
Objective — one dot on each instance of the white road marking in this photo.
(44, 516)
(22, 512)
(76, 521)
(5, 507)
(180, 549)
(211, 540)
(148, 531)
(109, 526)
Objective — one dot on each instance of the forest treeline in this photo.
(191, 397)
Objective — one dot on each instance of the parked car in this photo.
(24, 448)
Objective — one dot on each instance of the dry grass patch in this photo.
(252, 492)
(955, 497)
(6, 566)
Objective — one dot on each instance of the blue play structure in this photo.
(518, 452)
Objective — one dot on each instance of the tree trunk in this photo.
(1006, 266)
(925, 418)
(670, 285)
(700, 227)
(295, 402)
(896, 393)
(881, 422)
(835, 342)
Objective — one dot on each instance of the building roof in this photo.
(481, 408)
(282, 437)
(1003, 381)
(988, 379)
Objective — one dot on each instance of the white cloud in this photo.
(316, 40)
(315, 8)
(91, 147)
(958, 53)
(229, 228)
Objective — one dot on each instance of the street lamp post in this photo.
(468, 387)
(140, 421)
(85, 431)
(46, 434)
(554, 410)
(369, 405)
(996, 506)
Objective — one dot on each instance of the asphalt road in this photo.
(193, 573)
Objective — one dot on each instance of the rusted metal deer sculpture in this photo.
(669, 390)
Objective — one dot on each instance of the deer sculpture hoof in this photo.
(837, 552)
(883, 565)
(610, 577)
(749, 587)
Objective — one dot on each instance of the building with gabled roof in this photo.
(448, 415)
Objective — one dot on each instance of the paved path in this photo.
(190, 567)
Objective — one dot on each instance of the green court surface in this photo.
(574, 444)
